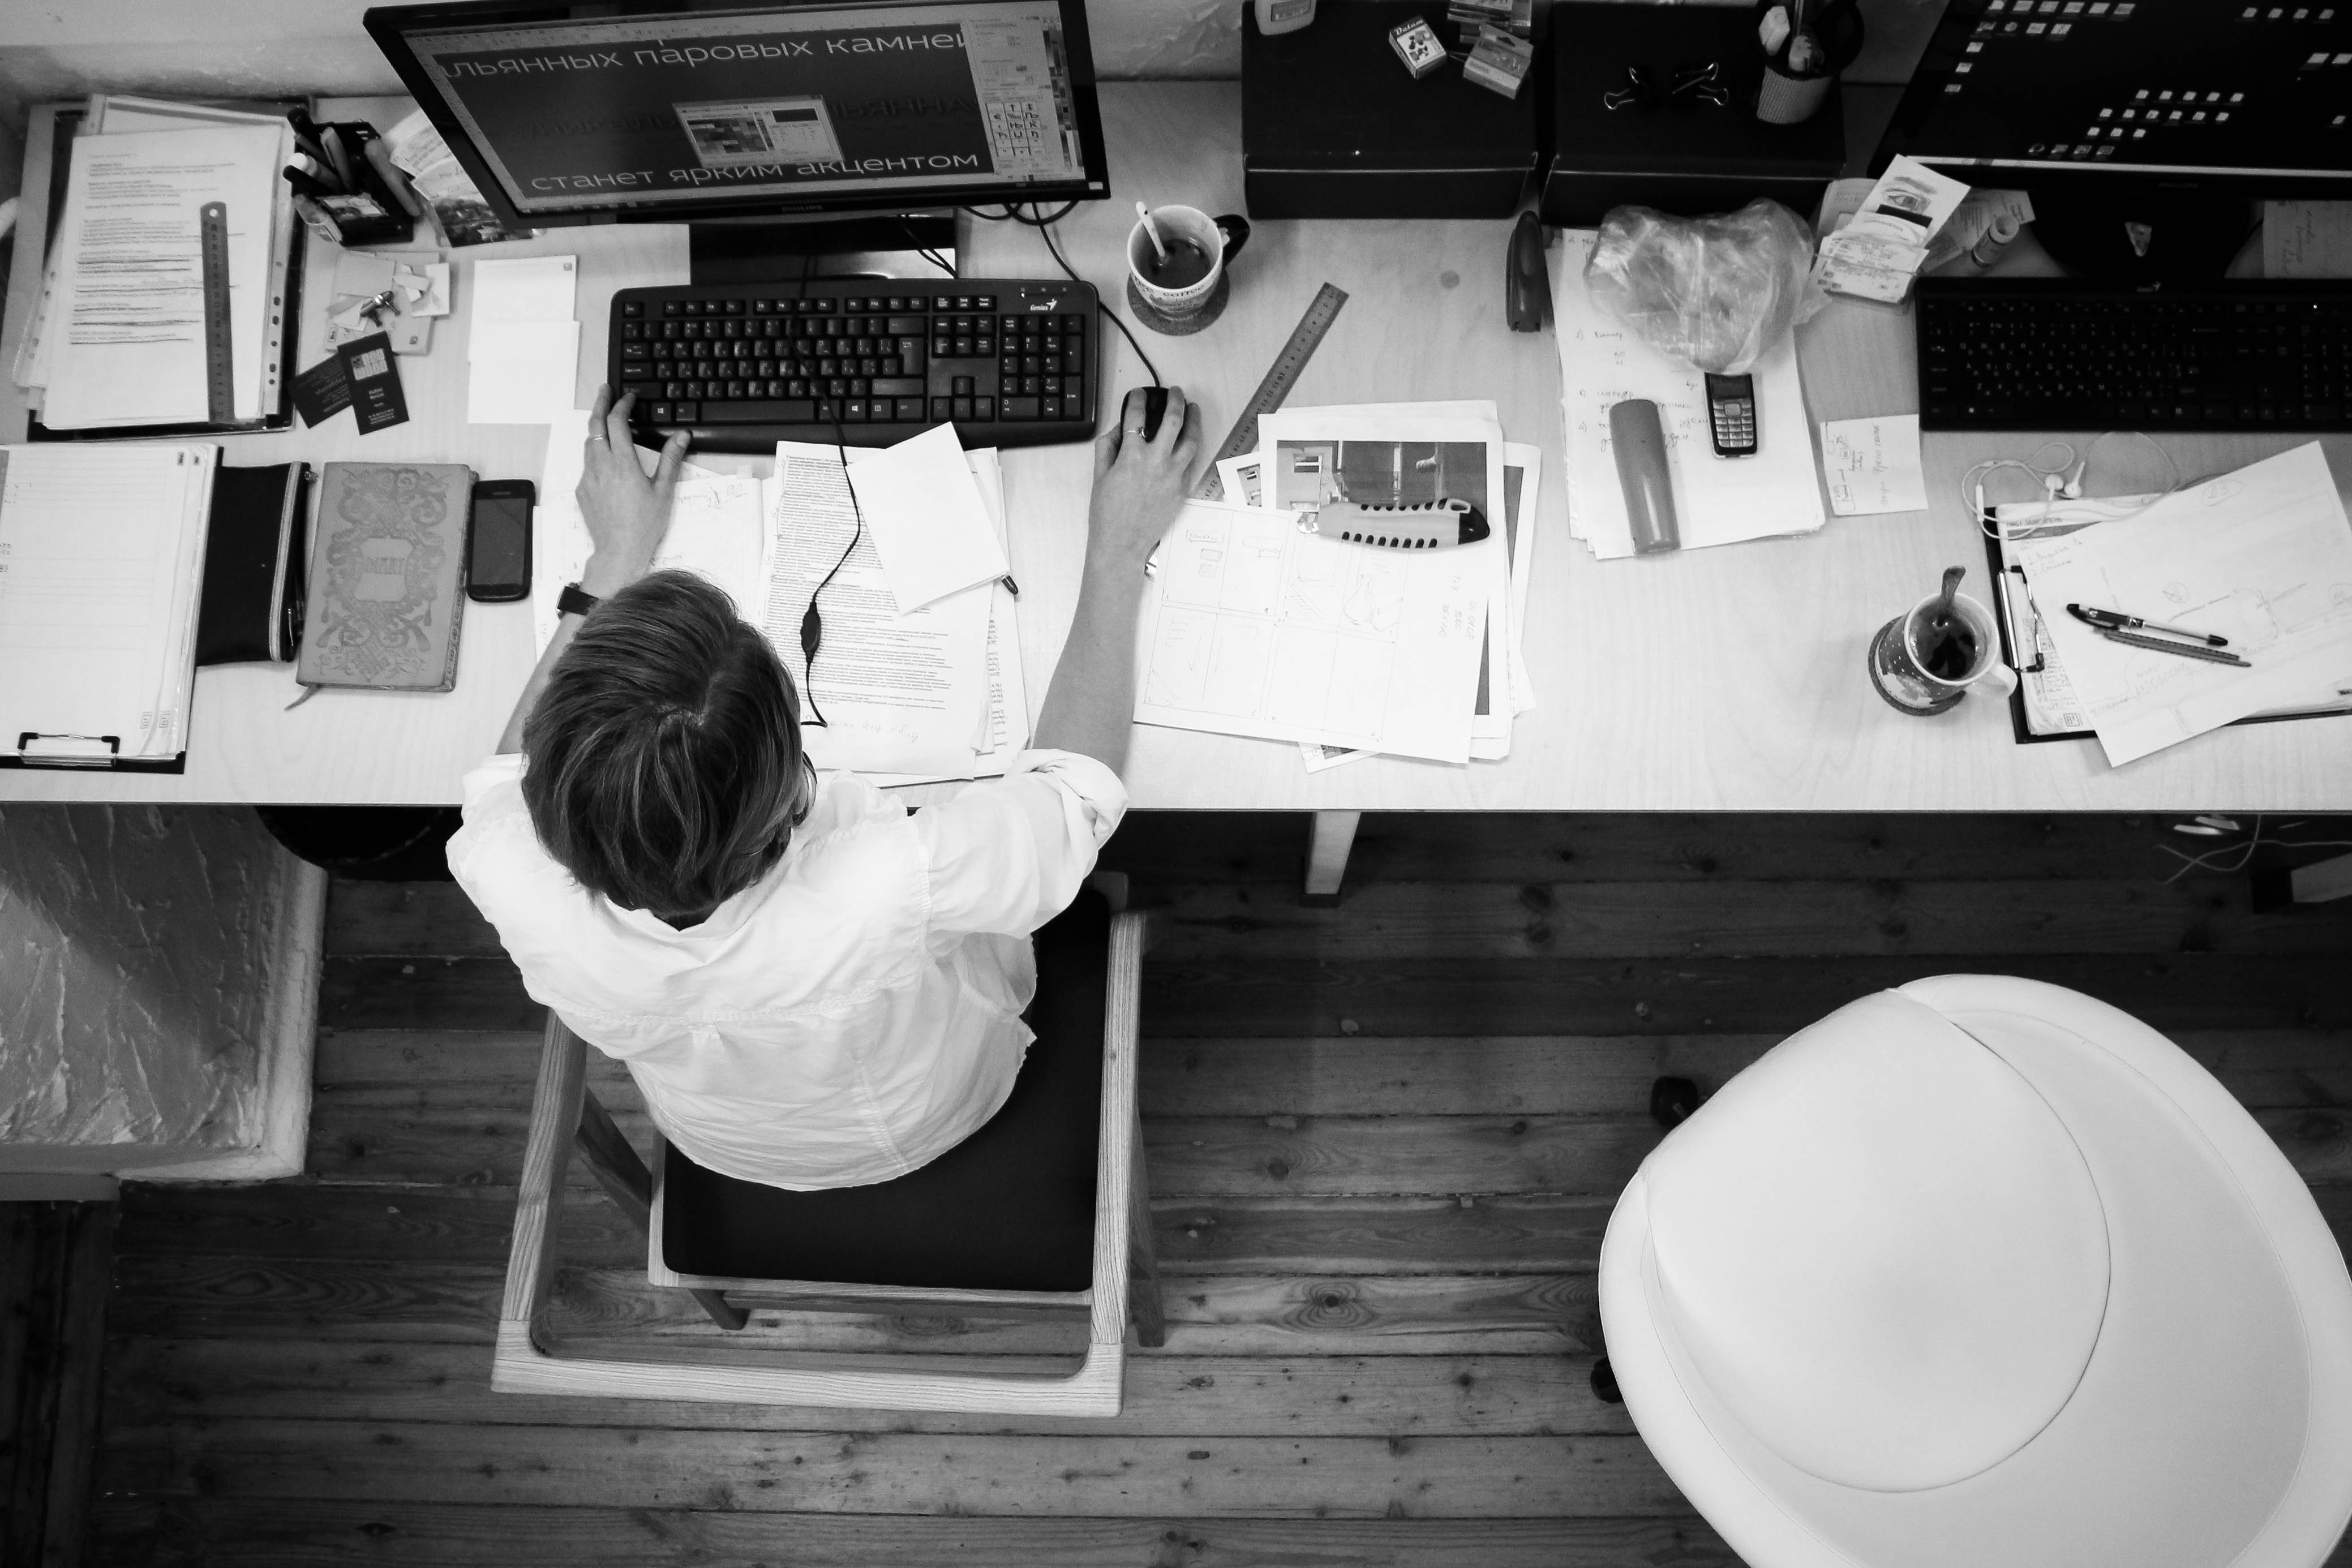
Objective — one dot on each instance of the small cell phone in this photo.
(1731, 414)
(498, 541)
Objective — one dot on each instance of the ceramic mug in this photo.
(1219, 239)
(1921, 669)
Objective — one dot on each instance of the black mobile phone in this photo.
(1731, 414)
(498, 541)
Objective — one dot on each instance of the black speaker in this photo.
(1679, 154)
(1333, 126)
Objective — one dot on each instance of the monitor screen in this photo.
(2212, 92)
(563, 113)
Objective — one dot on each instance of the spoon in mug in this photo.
(1942, 620)
(1151, 229)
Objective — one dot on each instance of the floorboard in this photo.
(1385, 1140)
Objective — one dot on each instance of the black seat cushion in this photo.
(1012, 1207)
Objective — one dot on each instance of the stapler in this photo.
(1527, 289)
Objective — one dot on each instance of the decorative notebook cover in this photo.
(386, 566)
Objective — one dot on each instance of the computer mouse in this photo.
(1155, 406)
(1527, 288)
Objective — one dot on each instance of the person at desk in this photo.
(812, 987)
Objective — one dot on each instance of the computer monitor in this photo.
(672, 111)
(2143, 129)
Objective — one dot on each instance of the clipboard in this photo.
(2026, 652)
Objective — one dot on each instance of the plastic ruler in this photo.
(1280, 377)
(220, 387)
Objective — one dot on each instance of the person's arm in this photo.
(626, 514)
(1138, 488)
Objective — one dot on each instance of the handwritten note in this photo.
(1872, 465)
(2307, 239)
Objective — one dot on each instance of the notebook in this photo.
(387, 567)
(100, 553)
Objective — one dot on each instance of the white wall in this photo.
(61, 48)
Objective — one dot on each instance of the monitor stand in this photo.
(781, 249)
(2150, 235)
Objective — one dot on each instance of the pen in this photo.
(2163, 646)
(332, 141)
(304, 184)
(2117, 621)
(380, 154)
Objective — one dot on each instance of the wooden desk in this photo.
(1722, 679)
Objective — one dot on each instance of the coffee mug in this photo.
(1198, 247)
(1921, 668)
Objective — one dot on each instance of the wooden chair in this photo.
(1117, 1274)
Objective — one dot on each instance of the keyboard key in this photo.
(898, 386)
(962, 408)
(633, 308)
(963, 386)
(685, 412)
(983, 408)
(1022, 408)
(908, 408)
(762, 411)
(905, 326)
(854, 410)
(942, 408)
(657, 412)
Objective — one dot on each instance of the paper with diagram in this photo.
(2262, 555)
(1253, 627)
(1719, 500)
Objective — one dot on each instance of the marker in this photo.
(332, 141)
(2117, 621)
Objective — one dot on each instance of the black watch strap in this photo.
(575, 600)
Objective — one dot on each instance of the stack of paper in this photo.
(1878, 253)
(930, 691)
(2261, 557)
(524, 347)
(1261, 623)
(120, 338)
(104, 550)
(1718, 500)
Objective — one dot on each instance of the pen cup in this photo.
(1922, 669)
(369, 213)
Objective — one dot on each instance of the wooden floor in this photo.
(1384, 1141)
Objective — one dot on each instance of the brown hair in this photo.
(665, 753)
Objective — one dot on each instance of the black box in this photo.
(1333, 126)
(1686, 158)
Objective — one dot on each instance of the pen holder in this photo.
(1785, 96)
(370, 214)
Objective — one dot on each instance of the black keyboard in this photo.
(742, 366)
(2061, 354)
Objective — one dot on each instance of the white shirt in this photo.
(850, 1017)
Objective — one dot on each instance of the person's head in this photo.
(665, 763)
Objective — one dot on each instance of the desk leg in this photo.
(1327, 854)
(2318, 882)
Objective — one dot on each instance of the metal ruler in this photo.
(220, 387)
(1280, 377)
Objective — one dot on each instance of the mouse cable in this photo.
(1108, 315)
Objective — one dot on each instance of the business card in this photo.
(376, 400)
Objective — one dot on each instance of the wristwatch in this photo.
(575, 600)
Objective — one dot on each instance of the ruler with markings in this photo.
(1280, 377)
(220, 387)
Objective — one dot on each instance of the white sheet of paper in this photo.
(1872, 465)
(1436, 432)
(899, 694)
(1238, 478)
(2262, 555)
(520, 373)
(526, 288)
(1718, 501)
(2307, 239)
(925, 514)
(1252, 627)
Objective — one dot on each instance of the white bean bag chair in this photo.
(1983, 1273)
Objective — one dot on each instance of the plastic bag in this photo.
(1717, 292)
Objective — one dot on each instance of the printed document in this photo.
(1252, 627)
(897, 693)
(2262, 555)
(127, 346)
(1718, 500)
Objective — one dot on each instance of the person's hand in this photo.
(627, 512)
(1139, 485)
